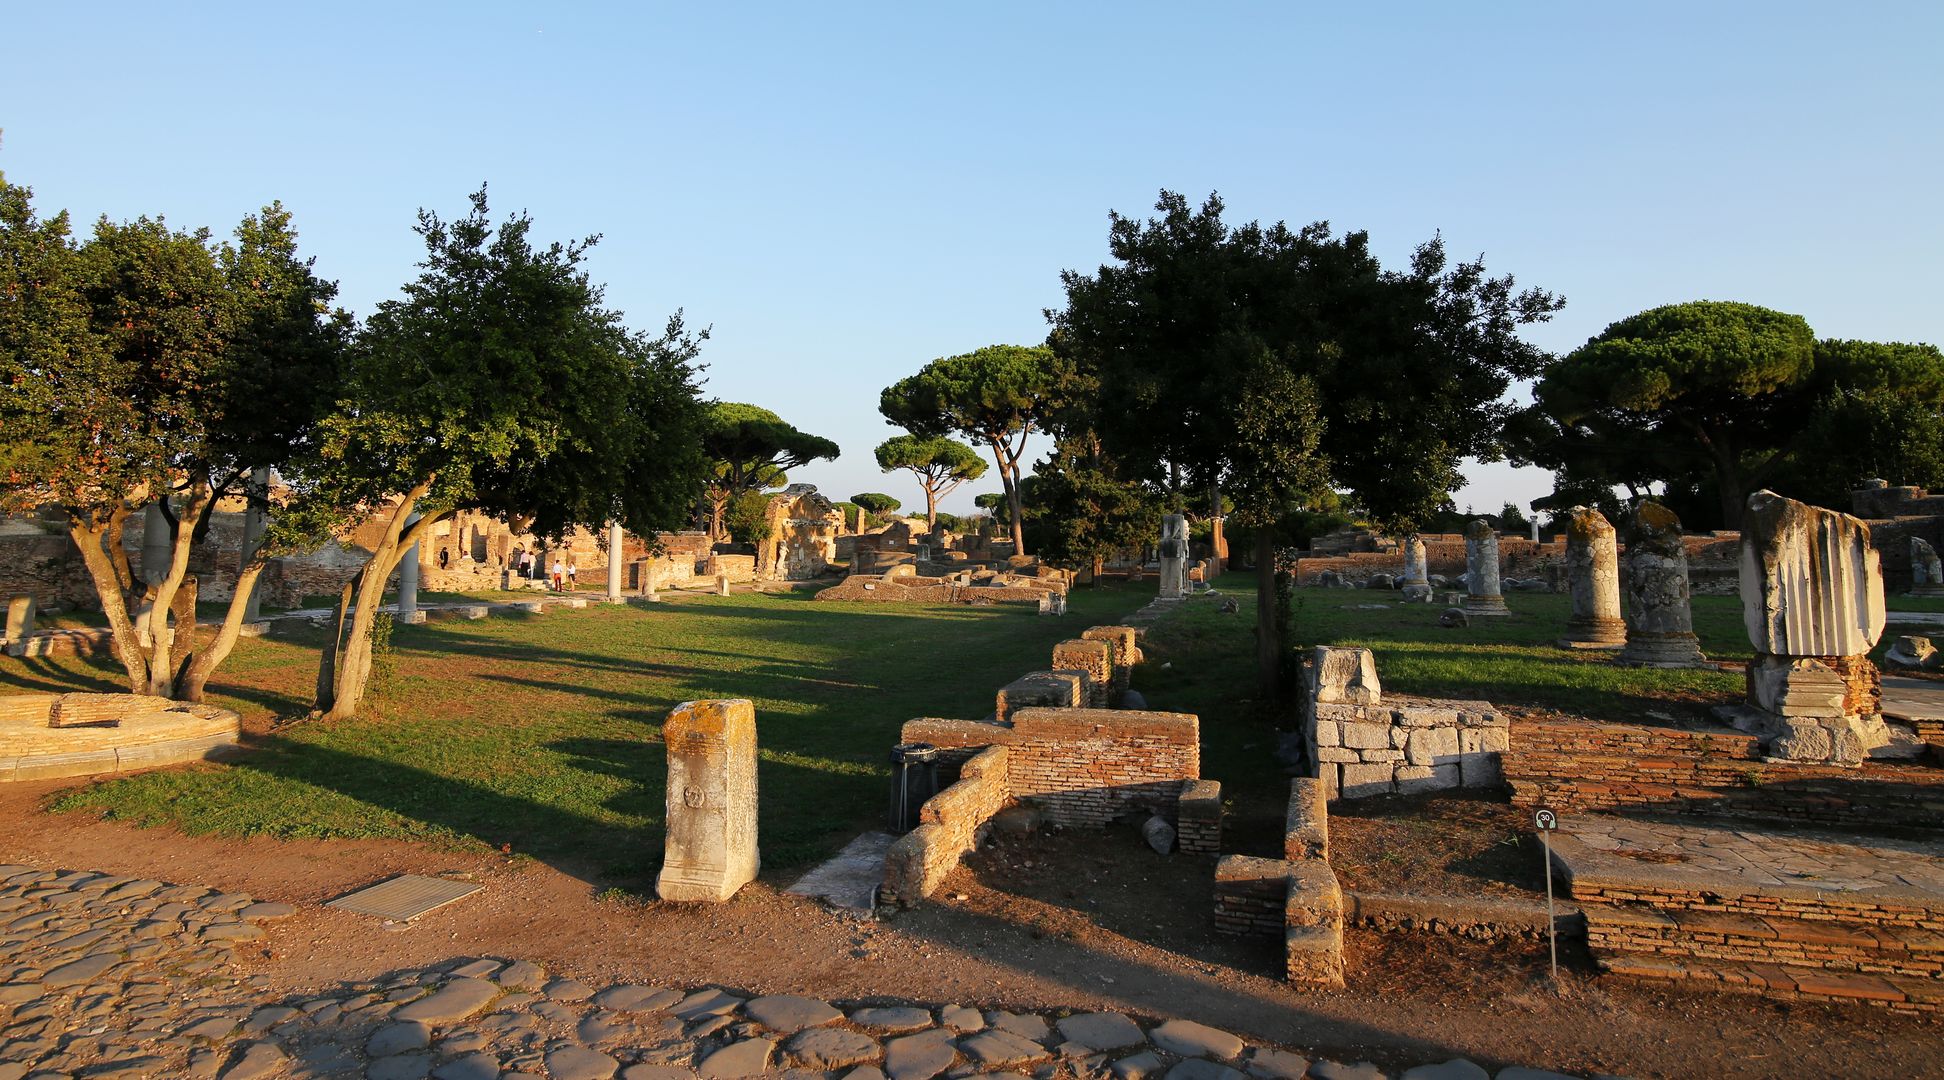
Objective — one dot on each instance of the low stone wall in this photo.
(1306, 823)
(46, 736)
(951, 824)
(1040, 689)
(1094, 661)
(1250, 895)
(911, 589)
(1296, 897)
(1083, 766)
(1713, 562)
(737, 568)
(1405, 745)
(1587, 766)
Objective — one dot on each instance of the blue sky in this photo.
(847, 192)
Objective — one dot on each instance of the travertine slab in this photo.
(711, 845)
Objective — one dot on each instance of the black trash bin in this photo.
(914, 778)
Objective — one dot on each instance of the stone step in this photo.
(1898, 992)
(1829, 945)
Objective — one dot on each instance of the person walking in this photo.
(559, 574)
(571, 569)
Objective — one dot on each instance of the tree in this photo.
(1686, 385)
(746, 519)
(997, 395)
(1081, 510)
(875, 503)
(148, 368)
(753, 449)
(497, 382)
(1335, 373)
(940, 465)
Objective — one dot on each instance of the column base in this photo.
(1662, 651)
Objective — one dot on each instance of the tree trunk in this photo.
(347, 668)
(183, 612)
(1099, 568)
(196, 677)
(1268, 645)
(931, 507)
(92, 542)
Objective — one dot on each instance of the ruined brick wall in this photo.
(1250, 895)
(1714, 562)
(1198, 818)
(1404, 745)
(951, 824)
(1588, 766)
(1094, 661)
(1084, 766)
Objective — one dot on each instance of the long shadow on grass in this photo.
(45, 674)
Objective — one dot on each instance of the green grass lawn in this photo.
(542, 732)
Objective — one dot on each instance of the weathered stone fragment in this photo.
(1660, 625)
(711, 824)
(1482, 596)
(1593, 580)
(1344, 676)
(1174, 556)
(1926, 572)
(1416, 583)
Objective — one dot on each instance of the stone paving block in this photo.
(414, 1066)
(710, 1002)
(897, 1020)
(1199, 1069)
(1101, 1031)
(961, 1019)
(790, 1012)
(1189, 1039)
(750, 1057)
(398, 1038)
(833, 1048)
(999, 1048)
(579, 1063)
(568, 990)
(628, 998)
(453, 1002)
(470, 1067)
(1137, 1066)
(257, 1059)
(1277, 1064)
(1025, 1025)
(1337, 1070)
(1455, 1069)
(919, 1057)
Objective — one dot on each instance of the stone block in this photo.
(1424, 716)
(710, 850)
(1336, 753)
(1432, 746)
(1366, 736)
(1414, 778)
(1361, 781)
(1480, 770)
(1306, 824)
(1344, 714)
(1381, 754)
(1344, 675)
(1400, 737)
(1329, 733)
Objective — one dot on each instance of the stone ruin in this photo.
(803, 531)
(1812, 602)
(1055, 743)
(1482, 596)
(1296, 898)
(1926, 573)
(1045, 587)
(44, 736)
(1417, 581)
(1174, 557)
(1593, 579)
(1359, 744)
(1660, 620)
(710, 847)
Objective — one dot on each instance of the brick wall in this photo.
(1198, 821)
(1583, 765)
(1095, 660)
(1250, 895)
(951, 824)
(1084, 766)
(1040, 689)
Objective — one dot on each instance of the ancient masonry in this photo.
(1593, 580)
(1482, 596)
(1660, 623)
(1812, 600)
(1052, 744)
(44, 736)
(1360, 744)
(711, 821)
(1296, 897)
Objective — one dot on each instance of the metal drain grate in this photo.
(404, 897)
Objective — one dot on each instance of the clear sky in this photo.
(847, 192)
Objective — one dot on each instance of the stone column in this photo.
(1926, 575)
(256, 521)
(1660, 625)
(1218, 542)
(408, 580)
(1812, 602)
(1593, 579)
(614, 562)
(1417, 582)
(710, 850)
(1174, 556)
(1482, 595)
(20, 620)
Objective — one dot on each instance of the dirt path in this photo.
(1147, 951)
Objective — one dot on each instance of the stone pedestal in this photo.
(722, 584)
(711, 822)
(1174, 557)
(20, 620)
(1218, 543)
(1812, 602)
(1660, 624)
(1926, 574)
(1417, 582)
(1593, 579)
(1482, 596)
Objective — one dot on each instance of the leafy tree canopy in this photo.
(876, 502)
(939, 463)
(752, 449)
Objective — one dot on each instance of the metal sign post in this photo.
(1547, 821)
